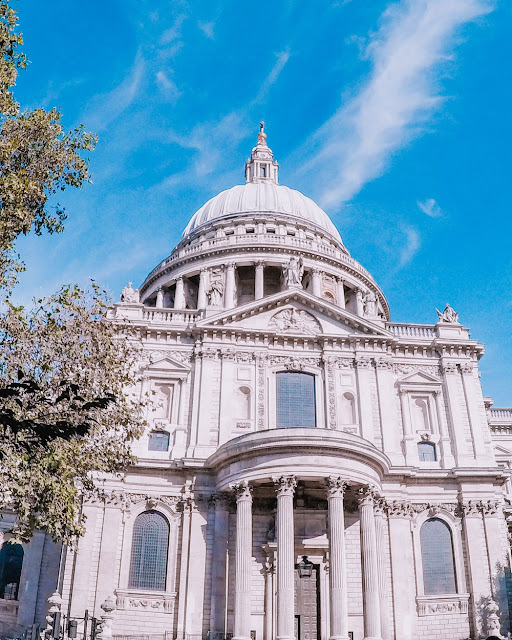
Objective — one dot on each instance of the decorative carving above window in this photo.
(436, 605)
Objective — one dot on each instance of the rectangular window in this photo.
(296, 402)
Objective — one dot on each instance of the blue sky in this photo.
(393, 116)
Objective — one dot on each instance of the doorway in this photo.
(307, 605)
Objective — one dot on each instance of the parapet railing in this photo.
(420, 331)
(173, 316)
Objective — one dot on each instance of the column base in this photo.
(372, 638)
(241, 638)
(339, 638)
(285, 638)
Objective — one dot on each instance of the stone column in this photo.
(285, 558)
(179, 294)
(201, 294)
(340, 291)
(269, 597)
(337, 559)
(258, 280)
(359, 302)
(380, 528)
(317, 283)
(229, 295)
(159, 298)
(220, 545)
(243, 561)
(371, 604)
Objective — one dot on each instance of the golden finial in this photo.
(262, 136)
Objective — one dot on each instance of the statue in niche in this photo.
(130, 295)
(215, 290)
(294, 321)
(293, 272)
(448, 315)
(370, 305)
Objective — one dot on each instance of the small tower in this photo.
(261, 166)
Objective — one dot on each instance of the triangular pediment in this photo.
(166, 364)
(502, 451)
(419, 378)
(294, 312)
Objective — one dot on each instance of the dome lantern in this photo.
(261, 166)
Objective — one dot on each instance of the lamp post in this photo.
(305, 568)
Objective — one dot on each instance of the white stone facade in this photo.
(262, 284)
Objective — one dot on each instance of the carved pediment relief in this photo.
(419, 379)
(292, 320)
(160, 363)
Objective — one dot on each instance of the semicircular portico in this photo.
(312, 454)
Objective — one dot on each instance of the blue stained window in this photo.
(150, 542)
(158, 441)
(427, 451)
(296, 405)
(11, 561)
(437, 556)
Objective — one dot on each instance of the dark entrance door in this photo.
(307, 606)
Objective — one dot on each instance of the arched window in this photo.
(437, 557)
(11, 560)
(427, 451)
(148, 563)
(296, 406)
(158, 441)
(348, 409)
(243, 398)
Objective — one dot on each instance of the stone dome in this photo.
(262, 197)
(262, 194)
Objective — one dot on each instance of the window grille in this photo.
(296, 405)
(158, 441)
(427, 451)
(150, 542)
(437, 556)
(11, 561)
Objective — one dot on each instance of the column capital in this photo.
(285, 485)
(243, 491)
(336, 486)
(367, 495)
(260, 263)
(230, 265)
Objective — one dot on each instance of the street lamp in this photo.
(305, 567)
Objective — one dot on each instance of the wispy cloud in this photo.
(411, 246)
(430, 207)
(281, 59)
(173, 33)
(400, 95)
(105, 108)
(167, 86)
(207, 28)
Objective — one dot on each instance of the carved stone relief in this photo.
(295, 321)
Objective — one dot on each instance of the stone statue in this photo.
(130, 295)
(215, 292)
(293, 272)
(370, 305)
(448, 315)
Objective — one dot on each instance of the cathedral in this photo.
(311, 470)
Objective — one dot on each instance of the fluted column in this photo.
(317, 283)
(229, 296)
(380, 527)
(243, 561)
(371, 604)
(259, 280)
(340, 293)
(179, 294)
(337, 559)
(269, 597)
(285, 558)
(201, 294)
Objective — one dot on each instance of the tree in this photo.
(66, 413)
(37, 158)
